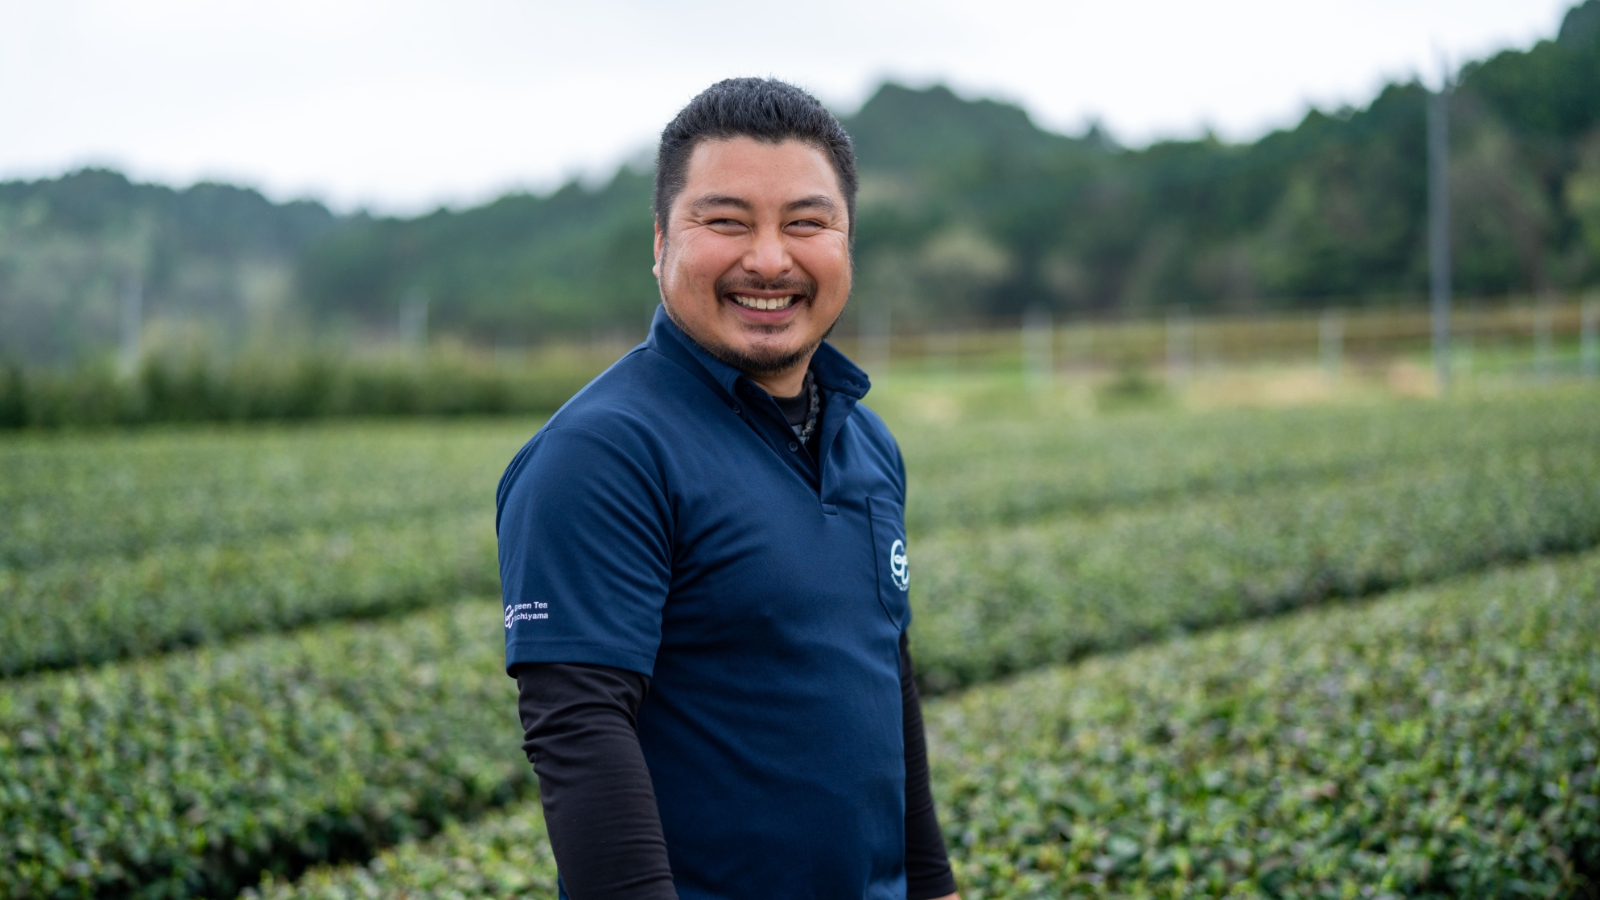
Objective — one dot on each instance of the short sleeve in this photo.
(585, 552)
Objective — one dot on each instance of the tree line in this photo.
(968, 212)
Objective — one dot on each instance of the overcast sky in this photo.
(400, 106)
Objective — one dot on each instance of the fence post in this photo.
(1038, 347)
(943, 351)
(1330, 343)
(875, 342)
(1543, 326)
(1589, 337)
(1180, 347)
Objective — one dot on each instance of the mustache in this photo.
(806, 289)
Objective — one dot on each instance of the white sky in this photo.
(403, 105)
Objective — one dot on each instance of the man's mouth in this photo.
(765, 304)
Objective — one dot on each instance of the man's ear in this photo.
(656, 269)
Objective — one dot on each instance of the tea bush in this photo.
(1442, 742)
(991, 603)
(127, 547)
(190, 774)
(70, 613)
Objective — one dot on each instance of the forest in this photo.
(969, 213)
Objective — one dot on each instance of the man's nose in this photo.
(768, 256)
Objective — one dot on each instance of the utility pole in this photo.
(132, 324)
(1439, 229)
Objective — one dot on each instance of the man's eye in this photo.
(806, 225)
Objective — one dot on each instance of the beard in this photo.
(759, 361)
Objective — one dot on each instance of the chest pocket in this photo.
(889, 547)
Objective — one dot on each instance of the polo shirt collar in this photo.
(833, 371)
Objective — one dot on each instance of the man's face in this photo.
(755, 264)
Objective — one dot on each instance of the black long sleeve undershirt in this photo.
(928, 871)
(599, 804)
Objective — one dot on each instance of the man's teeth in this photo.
(762, 302)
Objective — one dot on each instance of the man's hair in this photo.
(762, 108)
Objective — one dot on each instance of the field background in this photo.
(1281, 626)
(1221, 590)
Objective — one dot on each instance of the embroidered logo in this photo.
(898, 568)
(525, 612)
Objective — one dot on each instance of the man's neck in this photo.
(787, 383)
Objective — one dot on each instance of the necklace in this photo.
(814, 403)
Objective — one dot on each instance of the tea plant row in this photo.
(193, 772)
(994, 603)
(90, 498)
(384, 536)
(74, 613)
(1003, 469)
(188, 775)
(1438, 743)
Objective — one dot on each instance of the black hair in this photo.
(762, 108)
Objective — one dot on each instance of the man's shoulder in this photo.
(622, 415)
(631, 397)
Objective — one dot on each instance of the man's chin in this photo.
(762, 358)
(755, 349)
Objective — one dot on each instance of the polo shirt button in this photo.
(735, 409)
(793, 447)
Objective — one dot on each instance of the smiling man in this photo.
(703, 556)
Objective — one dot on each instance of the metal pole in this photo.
(132, 324)
(1038, 350)
(1589, 337)
(1543, 328)
(1180, 347)
(876, 338)
(1439, 230)
(1330, 343)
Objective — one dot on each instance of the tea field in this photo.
(1313, 651)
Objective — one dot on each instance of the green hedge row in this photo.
(1002, 469)
(387, 525)
(1442, 743)
(989, 604)
(87, 497)
(76, 612)
(83, 496)
(1060, 589)
(1438, 743)
(503, 855)
(197, 389)
(190, 774)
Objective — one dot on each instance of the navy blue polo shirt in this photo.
(665, 521)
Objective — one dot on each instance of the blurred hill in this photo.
(968, 211)
(218, 254)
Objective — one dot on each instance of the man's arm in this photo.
(928, 872)
(599, 804)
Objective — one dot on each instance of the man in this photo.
(703, 556)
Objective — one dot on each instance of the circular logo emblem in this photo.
(898, 570)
